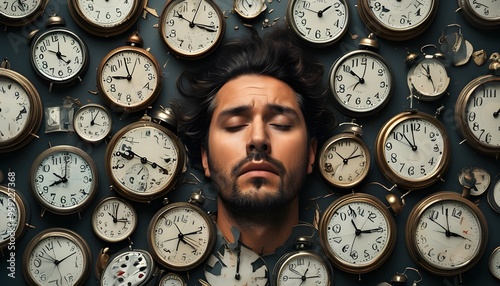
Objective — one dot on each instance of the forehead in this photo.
(255, 91)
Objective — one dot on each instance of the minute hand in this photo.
(210, 28)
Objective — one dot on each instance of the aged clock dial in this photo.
(64, 179)
(131, 267)
(181, 236)
(446, 234)
(484, 14)
(413, 149)
(249, 9)
(114, 219)
(15, 213)
(494, 263)
(306, 267)
(57, 256)
(191, 29)
(357, 233)
(19, 13)
(92, 122)
(428, 79)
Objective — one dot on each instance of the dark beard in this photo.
(248, 210)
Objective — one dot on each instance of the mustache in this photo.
(258, 156)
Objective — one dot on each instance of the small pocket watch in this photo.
(92, 123)
(446, 234)
(412, 150)
(144, 158)
(344, 159)
(59, 56)
(106, 18)
(305, 265)
(191, 29)
(427, 77)
(477, 114)
(397, 21)
(114, 219)
(172, 279)
(318, 23)
(58, 255)
(249, 9)
(361, 81)
(14, 211)
(64, 180)
(357, 232)
(21, 111)
(484, 14)
(129, 78)
(181, 235)
(20, 13)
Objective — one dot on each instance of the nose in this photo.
(258, 140)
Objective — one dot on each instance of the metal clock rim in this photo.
(200, 54)
(491, 194)
(116, 107)
(391, 33)
(23, 215)
(417, 212)
(35, 117)
(58, 232)
(93, 217)
(93, 186)
(337, 100)
(495, 251)
(384, 133)
(392, 232)
(474, 18)
(26, 19)
(423, 95)
(461, 118)
(212, 235)
(278, 268)
(115, 185)
(85, 58)
(334, 139)
(105, 31)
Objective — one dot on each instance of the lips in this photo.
(258, 166)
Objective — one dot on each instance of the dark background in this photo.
(14, 46)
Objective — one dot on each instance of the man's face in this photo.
(258, 152)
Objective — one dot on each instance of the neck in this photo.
(263, 234)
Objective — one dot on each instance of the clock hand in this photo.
(320, 12)
(133, 68)
(209, 28)
(21, 113)
(191, 23)
(495, 114)
(114, 218)
(57, 262)
(129, 76)
(378, 229)
(360, 79)
(414, 147)
(92, 122)
(429, 77)
(21, 5)
(294, 271)
(129, 154)
(237, 275)
(194, 232)
(354, 151)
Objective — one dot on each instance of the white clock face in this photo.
(306, 267)
(106, 13)
(249, 8)
(414, 149)
(344, 162)
(488, 9)
(57, 260)
(358, 233)
(319, 21)
(180, 236)
(237, 267)
(128, 268)
(361, 82)
(92, 123)
(15, 109)
(429, 77)
(63, 181)
(9, 209)
(191, 27)
(129, 79)
(448, 234)
(403, 14)
(144, 160)
(482, 112)
(59, 55)
(114, 219)
(494, 263)
(19, 9)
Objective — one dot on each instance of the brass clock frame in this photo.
(36, 111)
(106, 30)
(462, 115)
(412, 224)
(389, 173)
(58, 232)
(157, 218)
(475, 19)
(331, 211)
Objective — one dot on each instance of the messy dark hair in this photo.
(277, 54)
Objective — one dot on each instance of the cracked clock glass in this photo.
(143, 160)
